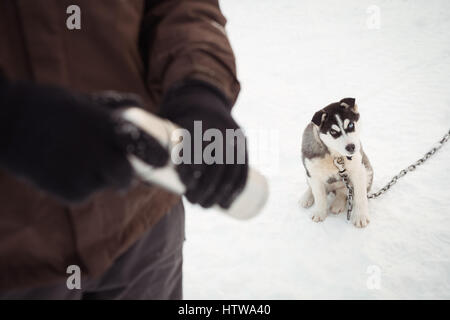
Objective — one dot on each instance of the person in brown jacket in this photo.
(68, 195)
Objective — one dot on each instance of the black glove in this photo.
(67, 144)
(207, 184)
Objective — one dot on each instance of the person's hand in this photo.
(215, 183)
(68, 144)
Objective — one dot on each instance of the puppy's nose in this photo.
(350, 148)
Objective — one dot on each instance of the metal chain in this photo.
(339, 163)
(410, 168)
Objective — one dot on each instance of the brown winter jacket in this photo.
(130, 46)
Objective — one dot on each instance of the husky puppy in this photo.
(334, 132)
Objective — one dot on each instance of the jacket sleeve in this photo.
(186, 39)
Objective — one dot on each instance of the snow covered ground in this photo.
(295, 57)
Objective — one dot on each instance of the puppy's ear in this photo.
(349, 103)
(319, 117)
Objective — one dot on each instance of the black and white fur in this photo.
(333, 132)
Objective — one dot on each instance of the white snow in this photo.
(295, 57)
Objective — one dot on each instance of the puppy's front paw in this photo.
(307, 199)
(360, 218)
(319, 216)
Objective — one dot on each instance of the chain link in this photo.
(339, 163)
(410, 168)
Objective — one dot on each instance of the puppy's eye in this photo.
(350, 125)
(334, 133)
